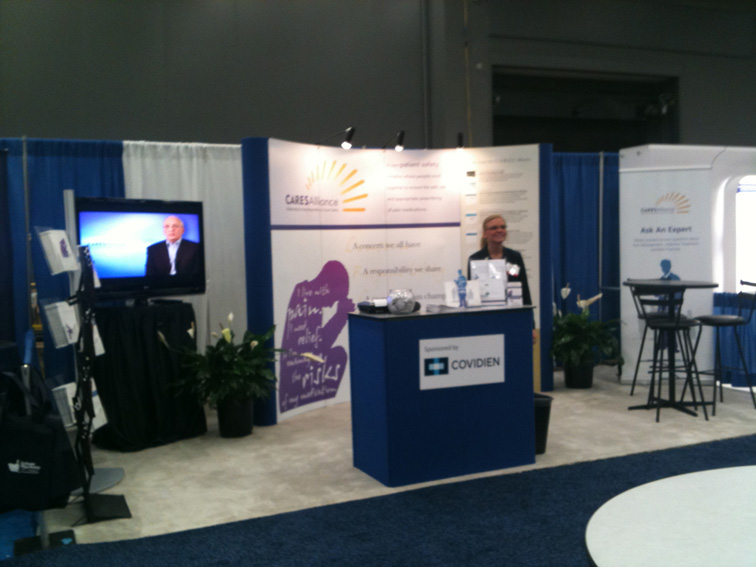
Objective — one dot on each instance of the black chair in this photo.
(661, 311)
(746, 304)
(643, 317)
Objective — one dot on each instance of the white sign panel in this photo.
(461, 361)
(504, 181)
(667, 205)
(318, 186)
(349, 226)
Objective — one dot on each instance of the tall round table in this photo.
(671, 287)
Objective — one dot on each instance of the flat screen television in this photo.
(128, 243)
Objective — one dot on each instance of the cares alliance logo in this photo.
(24, 467)
(669, 203)
(331, 186)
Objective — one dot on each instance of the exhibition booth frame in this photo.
(678, 221)
(254, 269)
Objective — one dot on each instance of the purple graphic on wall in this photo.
(303, 381)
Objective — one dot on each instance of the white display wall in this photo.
(347, 226)
(677, 204)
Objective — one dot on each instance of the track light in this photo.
(399, 141)
(347, 143)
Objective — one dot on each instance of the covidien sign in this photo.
(461, 361)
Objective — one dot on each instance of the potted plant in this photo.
(230, 376)
(578, 340)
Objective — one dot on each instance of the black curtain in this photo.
(137, 377)
(7, 325)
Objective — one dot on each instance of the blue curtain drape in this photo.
(7, 326)
(727, 304)
(91, 169)
(576, 232)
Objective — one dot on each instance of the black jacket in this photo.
(188, 259)
(513, 257)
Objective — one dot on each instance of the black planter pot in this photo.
(578, 376)
(235, 417)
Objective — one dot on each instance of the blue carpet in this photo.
(534, 518)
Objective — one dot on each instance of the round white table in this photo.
(704, 518)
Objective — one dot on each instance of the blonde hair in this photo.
(489, 218)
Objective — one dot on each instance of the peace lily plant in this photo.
(232, 371)
(578, 340)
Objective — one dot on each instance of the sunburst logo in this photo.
(339, 177)
(670, 203)
(679, 201)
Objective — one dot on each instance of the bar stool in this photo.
(645, 315)
(662, 313)
(746, 304)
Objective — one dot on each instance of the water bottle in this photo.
(461, 282)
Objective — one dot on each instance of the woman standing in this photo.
(492, 248)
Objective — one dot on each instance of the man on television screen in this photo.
(174, 255)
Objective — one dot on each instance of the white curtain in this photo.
(212, 174)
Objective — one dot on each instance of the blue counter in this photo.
(403, 434)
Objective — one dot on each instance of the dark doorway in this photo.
(582, 112)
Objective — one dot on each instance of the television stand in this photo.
(137, 376)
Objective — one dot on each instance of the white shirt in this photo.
(172, 250)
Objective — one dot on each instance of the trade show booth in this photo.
(327, 229)
(678, 221)
(297, 234)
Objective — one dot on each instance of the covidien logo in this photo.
(669, 203)
(337, 187)
(436, 366)
(452, 362)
